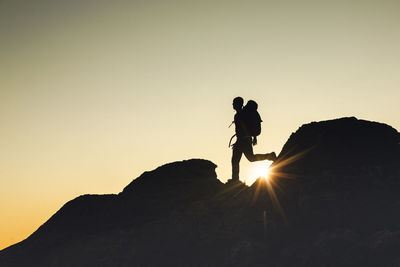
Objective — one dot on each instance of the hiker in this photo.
(247, 127)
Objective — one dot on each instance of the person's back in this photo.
(252, 119)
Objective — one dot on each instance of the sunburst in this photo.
(270, 182)
(259, 169)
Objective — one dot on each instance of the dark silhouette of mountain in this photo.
(332, 200)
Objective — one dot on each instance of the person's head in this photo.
(237, 103)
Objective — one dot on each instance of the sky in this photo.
(94, 93)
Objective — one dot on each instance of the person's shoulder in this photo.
(239, 114)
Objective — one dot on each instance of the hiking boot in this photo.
(232, 181)
(272, 156)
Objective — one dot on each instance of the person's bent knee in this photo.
(251, 158)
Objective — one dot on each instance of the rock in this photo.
(332, 200)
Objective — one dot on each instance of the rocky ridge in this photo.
(332, 200)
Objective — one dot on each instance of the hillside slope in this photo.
(332, 200)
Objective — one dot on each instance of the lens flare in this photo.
(270, 183)
(259, 170)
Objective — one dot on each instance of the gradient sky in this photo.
(93, 93)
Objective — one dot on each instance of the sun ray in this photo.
(271, 184)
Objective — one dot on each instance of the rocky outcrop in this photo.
(328, 145)
(332, 200)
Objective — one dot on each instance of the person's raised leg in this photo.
(248, 152)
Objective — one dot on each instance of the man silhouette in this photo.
(244, 141)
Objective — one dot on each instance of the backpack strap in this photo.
(230, 141)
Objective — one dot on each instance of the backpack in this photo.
(251, 118)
